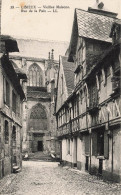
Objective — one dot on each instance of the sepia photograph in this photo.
(60, 97)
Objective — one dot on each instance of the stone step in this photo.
(16, 169)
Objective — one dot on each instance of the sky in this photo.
(46, 25)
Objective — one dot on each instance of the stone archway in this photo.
(38, 125)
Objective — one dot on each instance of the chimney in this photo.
(100, 9)
(101, 5)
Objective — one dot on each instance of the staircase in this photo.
(39, 156)
(16, 169)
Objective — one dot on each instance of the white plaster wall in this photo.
(79, 149)
(74, 150)
(61, 97)
(64, 149)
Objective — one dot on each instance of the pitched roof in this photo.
(37, 92)
(94, 26)
(9, 69)
(21, 74)
(40, 48)
(68, 68)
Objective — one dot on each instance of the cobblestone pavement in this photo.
(47, 178)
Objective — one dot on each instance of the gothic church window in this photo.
(38, 118)
(35, 75)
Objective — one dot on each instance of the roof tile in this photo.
(94, 26)
(69, 68)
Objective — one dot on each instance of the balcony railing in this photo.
(68, 128)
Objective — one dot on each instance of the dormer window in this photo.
(115, 32)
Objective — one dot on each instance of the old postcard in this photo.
(60, 105)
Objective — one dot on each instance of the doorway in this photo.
(40, 146)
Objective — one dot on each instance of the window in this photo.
(14, 134)
(35, 75)
(6, 92)
(93, 94)
(100, 79)
(13, 101)
(100, 143)
(6, 132)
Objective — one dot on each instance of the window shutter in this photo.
(94, 143)
(106, 145)
(87, 144)
(17, 105)
(4, 89)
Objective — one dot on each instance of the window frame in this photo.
(6, 132)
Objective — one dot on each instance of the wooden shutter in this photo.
(17, 105)
(87, 144)
(106, 145)
(94, 143)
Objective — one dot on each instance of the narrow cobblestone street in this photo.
(40, 178)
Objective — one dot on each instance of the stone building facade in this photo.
(39, 124)
(11, 97)
(89, 119)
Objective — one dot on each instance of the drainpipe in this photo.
(90, 131)
(112, 151)
(112, 139)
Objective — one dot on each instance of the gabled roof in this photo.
(21, 74)
(91, 26)
(68, 68)
(37, 93)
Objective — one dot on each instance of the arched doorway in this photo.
(37, 127)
